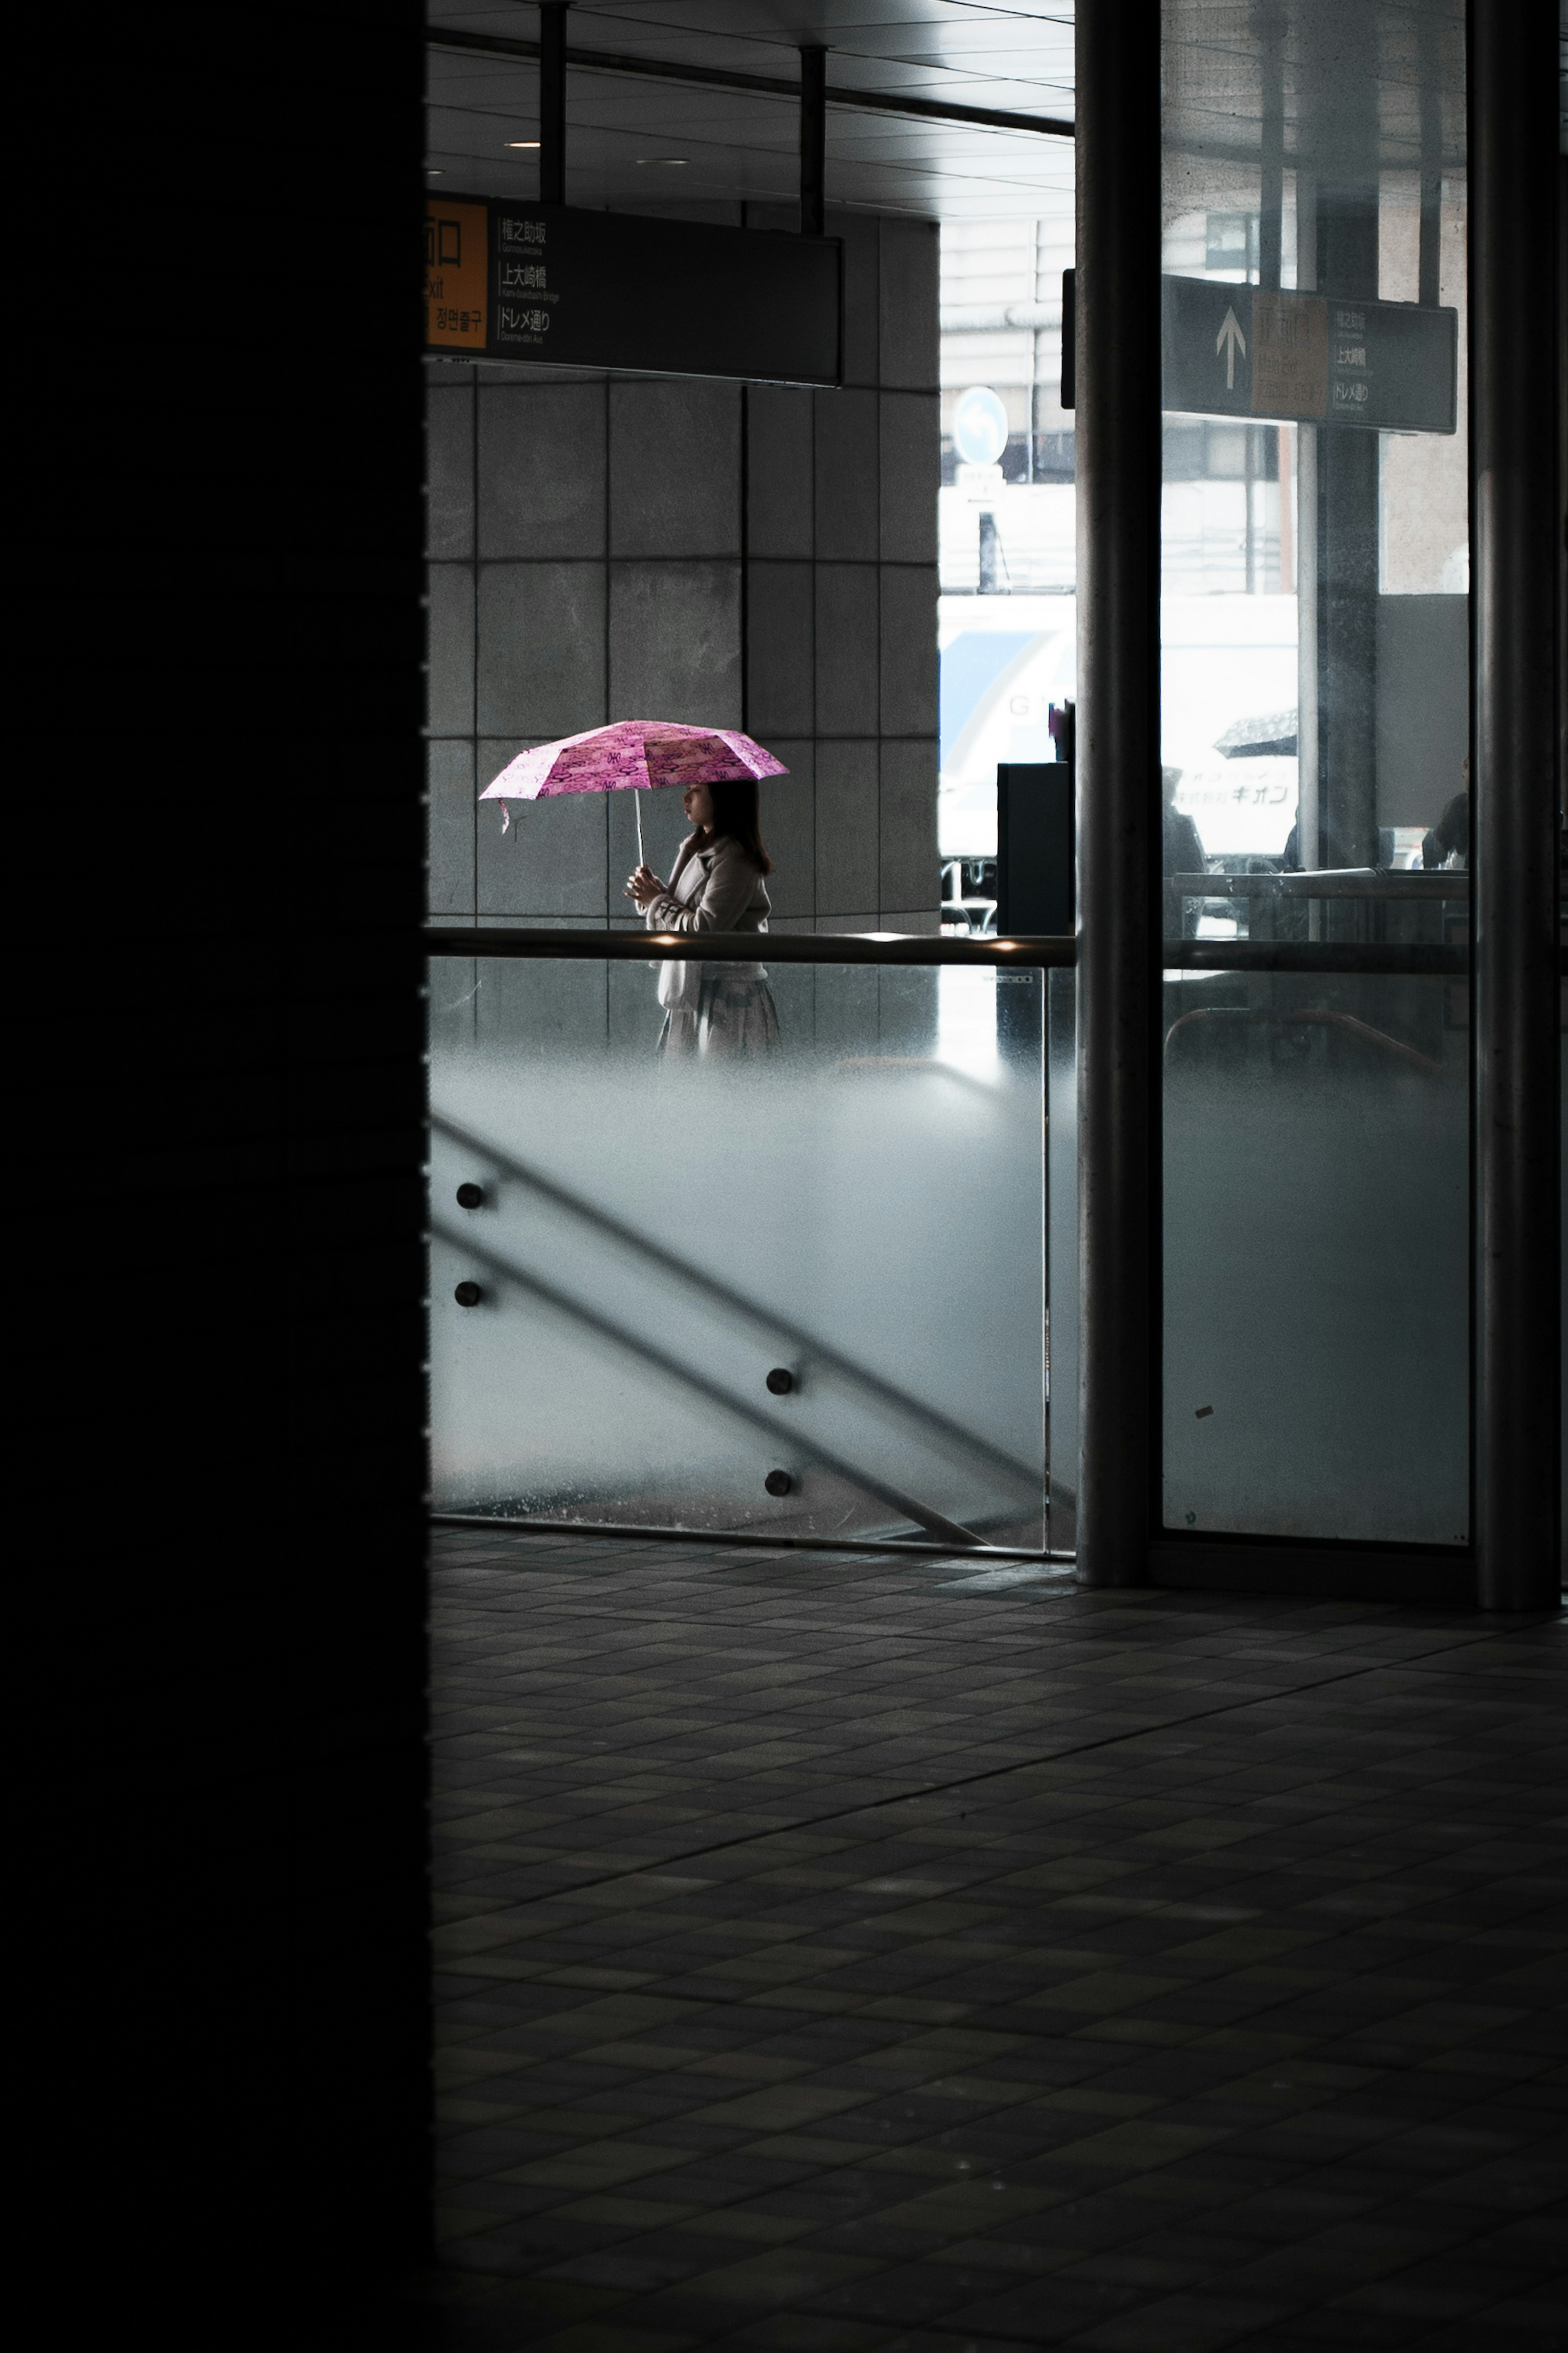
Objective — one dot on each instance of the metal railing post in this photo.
(1118, 435)
(1517, 517)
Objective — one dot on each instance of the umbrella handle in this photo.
(637, 799)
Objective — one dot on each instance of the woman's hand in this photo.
(645, 887)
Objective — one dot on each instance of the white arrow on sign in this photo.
(1230, 340)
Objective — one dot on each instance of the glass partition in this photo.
(1316, 1256)
(797, 1289)
(1315, 549)
(1315, 725)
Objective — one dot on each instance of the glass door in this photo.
(1314, 750)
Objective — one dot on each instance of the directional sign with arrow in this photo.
(1321, 359)
(1229, 337)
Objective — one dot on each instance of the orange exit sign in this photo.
(455, 275)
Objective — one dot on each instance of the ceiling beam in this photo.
(865, 101)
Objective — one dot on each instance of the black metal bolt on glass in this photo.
(780, 1380)
(469, 1294)
(470, 1197)
(779, 1482)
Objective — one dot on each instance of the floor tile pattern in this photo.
(844, 1953)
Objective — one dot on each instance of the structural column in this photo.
(1517, 521)
(1117, 436)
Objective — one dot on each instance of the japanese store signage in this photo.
(583, 288)
(456, 276)
(1321, 359)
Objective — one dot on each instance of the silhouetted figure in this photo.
(1448, 843)
(1183, 852)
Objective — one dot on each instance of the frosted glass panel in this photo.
(1061, 1168)
(1316, 1257)
(858, 1213)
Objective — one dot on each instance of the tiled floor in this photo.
(844, 1953)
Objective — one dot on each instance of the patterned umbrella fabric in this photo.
(635, 754)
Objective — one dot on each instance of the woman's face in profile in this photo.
(697, 803)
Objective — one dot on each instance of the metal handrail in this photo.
(1451, 958)
(751, 947)
(1328, 882)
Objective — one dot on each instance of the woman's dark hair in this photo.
(735, 815)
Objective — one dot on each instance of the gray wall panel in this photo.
(848, 827)
(908, 305)
(541, 649)
(789, 829)
(450, 471)
(542, 470)
(781, 680)
(846, 485)
(846, 649)
(675, 642)
(449, 648)
(449, 831)
(552, 859)
(779, 436)
(675, 451)
(908, 845)
(907, 632)
(910, 464)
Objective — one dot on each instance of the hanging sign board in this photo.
(619, 290)
(457, 277)
(1314, 359)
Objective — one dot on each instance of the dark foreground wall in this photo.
(216, 836)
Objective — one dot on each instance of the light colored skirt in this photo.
(734, 1017)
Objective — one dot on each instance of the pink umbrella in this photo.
(639, 755)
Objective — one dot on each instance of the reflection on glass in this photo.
(1314, 727)
(1316, 1150)
(1315, 547)
(800, 1293)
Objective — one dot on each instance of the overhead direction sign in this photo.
(677, 297)
(561, 285)
(1313, 359)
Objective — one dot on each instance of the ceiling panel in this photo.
(624, 132)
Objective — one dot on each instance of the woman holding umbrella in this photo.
(716, 885)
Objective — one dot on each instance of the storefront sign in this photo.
(619, 290)
(456, 276)
(1319, 359)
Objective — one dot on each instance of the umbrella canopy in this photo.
(1257, 739)
(639, 753)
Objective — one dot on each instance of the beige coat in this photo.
(713, 890)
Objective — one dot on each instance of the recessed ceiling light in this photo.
(664, 159)
(433, 172)
(523, 142)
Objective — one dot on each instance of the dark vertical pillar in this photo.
(1517, 515)
(553, 101)
(225, 1652)
(1117, 423)
(1347, 542)
(813, 141)
(1269, 32)
(1429, 270)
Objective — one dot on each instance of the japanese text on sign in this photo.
(455, 268)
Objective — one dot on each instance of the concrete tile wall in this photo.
(753, 556)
